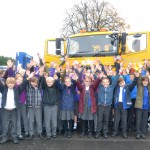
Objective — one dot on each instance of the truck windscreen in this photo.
(93, 44)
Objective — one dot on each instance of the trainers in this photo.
(3, 141)
(15, 141)
(97, 135)
(89, 135)
(40, 136)
(59, 132)
(30, 137)
(138, 136)
(114, 134)
(20, 137)
(26, 134)
(75, 126)
(125, 136)
(69, 135)
(65, 134)
(82, 135)
(48, 137)
(54, 136)
(143, 136)
(105, 135)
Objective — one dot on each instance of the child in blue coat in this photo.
(122, 101)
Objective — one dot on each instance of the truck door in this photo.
(54, 50)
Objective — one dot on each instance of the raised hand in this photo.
(140, 65)
(75, 77)
(30, 75)
(27, 72)
(101, 75)
(55, 77)
(41, 71)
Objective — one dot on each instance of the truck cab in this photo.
(105, 46)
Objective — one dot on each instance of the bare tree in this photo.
(90, 15)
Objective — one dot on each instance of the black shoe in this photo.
(82, 135)
(26, 134)
(129, 129)
(138, 136)
(3, 141)
(54, 136)
(125, 136)
(89, 135)
(65, 134)
(114, 134)
(97, 135)
(16, 141)
(143, 136)
(30, 137)
(40, 136)
(105, 135)
(59, 132)
(69, 135)
(20, 137)
(48, 137)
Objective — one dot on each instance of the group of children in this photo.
(55, 98)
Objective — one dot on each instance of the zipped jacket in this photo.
(105, 94)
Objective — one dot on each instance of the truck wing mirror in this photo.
(123, 42)
(58, 46)
(58, 52)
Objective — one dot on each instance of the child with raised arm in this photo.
(87, 103)
(10, 104)
(50, 104)
(67, 104)
(105, 97)
(142, 105)
(122, 101)
(34, 104)
(3, 81)
(22, 110)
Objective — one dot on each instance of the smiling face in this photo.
(132, 77)
(49, 81)
(11, 85)
(10, 82)
(145, 81)
(34, 82)
(19, 79)
(67, 81)
(87, 81)
(121, 82)
(105, 82)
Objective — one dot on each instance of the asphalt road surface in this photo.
(77, 143)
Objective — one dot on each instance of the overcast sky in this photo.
(25, 24)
